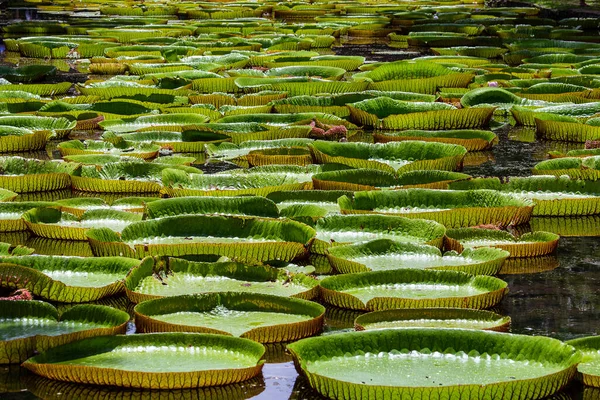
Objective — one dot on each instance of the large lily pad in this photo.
(28, 327)
(10, 214)
(433, 318)
(153, 361)
(420, 362)
(372, 179)
(386, 254)
(43, 387)
(558, 196)
(140, 150)
(260, 317)
(528, 245)
(472, 140)
(174, 277)
(246, 205)
(66, 279)
(412, 288)
(51, 223)
(393, 157)
(22, 175)
(451, 208)
(589, 368)
(258, 181)
(124, 177)
(242, 238)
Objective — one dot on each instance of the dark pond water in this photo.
(555, 296)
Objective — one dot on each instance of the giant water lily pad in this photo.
(528, 245)
(433, 318)
(242, 205)
(386, 254)
(27, 327)
(472, 140)
(263, 152)
(153, 361)
(174, 277)
(392, 157)
(414, 362)
(260, 317)
(14, 139)
(558, 196)
(452, 208)
(79, 205)
(412, 288)
(124, 177)
(338, 230)
(586, 168)
(10, 214)
(243, 238)
(51, 223)
(190, 140)
(373, 179)
(66, 279)
(258, 181)
(140, 150)
(589, 368)
(23, 175)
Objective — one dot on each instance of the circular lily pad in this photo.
(412, 288)
(435, 363)
(433, 318)
(385, 255)
(152, 361)
(528, 245)
(174, 277)
(260, 317)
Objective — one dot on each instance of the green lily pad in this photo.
(414, 362)
(52, 223)
(452, 208)
(412, 288)
(528, 245)
(174, 277)
(28, 327)
(338, 230)
(394, 157)
(433, 318)
(386, 254)
(243, 238)
(589, 368)
(260, 317)
(248, 205)
(66, 279)
(152, 361)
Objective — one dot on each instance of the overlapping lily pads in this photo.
(66, 279)
(173, 277)
(30, 327)
(243, 238)
(338, 230)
